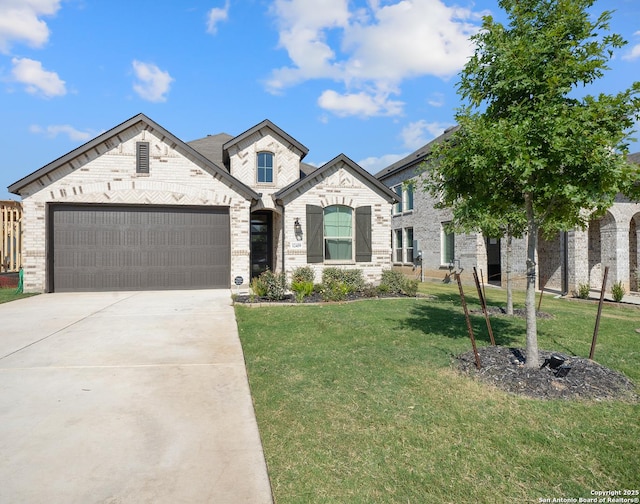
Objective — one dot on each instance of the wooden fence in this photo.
(11, 236)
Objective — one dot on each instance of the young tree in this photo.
(528, 148)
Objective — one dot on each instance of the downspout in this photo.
(281, 204)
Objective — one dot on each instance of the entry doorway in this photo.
(494, 264)
(261, 242)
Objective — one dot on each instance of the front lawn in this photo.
(359, 402)
(7, 295)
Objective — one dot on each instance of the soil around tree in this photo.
(560, 376)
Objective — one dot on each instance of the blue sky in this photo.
(373, 79)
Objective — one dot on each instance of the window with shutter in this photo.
(315, 236)
(363, 234)
(331, 235)
(142, 157)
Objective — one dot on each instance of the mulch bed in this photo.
(585, 379)
(313, 298)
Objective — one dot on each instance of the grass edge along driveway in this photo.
(359, 402)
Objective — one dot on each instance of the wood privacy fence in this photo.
(11, 236)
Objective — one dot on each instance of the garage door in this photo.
(105, 247)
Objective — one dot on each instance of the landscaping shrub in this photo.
(618, 291)
(583, 291)
(303, 274)
(334, 291)
(270, 285)
(351, 278)
(394, 282)
(258, 287)
(410, 287)
(301, 289)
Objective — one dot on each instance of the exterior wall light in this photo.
(297, 229)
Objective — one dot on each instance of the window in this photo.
(338, 233)
(265, 167)
(409, 240)
(405, 198)
(448, 245)
(408, 198)
(397, 208)
(142, 157)
(397, 239)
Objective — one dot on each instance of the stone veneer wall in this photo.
(339, 187)
(107, 174)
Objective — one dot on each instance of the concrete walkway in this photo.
(130, 397)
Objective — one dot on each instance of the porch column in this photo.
(615, 253)
(578, 258)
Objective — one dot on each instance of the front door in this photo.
(261, 243)
(494, 264)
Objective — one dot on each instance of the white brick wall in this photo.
(243, 160)
(341, 186)
(107, 174)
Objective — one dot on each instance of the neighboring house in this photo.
(137, 208)
(422, 247)
(10, 235)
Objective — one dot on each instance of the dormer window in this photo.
(265, 167)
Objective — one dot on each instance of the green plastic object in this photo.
(20, 282)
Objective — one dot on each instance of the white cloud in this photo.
(358, 104)
(36, 79)
(20, 22)
(633, 54)
(436, 100)
(375, 164)
(153, 84)
(418, 133)
(370, 50)
(635, 50)
(217, 15)
(53, 131)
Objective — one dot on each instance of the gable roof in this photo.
(211, 146)
(319, 173)
(151, 125)
(264, 124)
(416, 157)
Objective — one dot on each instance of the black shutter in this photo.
(363, 234)
(315, 234)
(142, 157)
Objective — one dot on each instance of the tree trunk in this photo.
(530, 299)
(508, 268)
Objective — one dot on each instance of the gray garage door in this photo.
(105, 247)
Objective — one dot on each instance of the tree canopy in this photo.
(530, 151)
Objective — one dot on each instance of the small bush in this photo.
(351, 278)
(303, 274)
(334, 291)
(392, 281)
(270, 285)
(258, 287)
(410, 287)
(370, 291)
(583, 291)
(301, 290)
(618, 291)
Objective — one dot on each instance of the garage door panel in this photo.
(138, 248)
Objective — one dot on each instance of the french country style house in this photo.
(137, 208)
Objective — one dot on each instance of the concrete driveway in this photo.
(128, 397)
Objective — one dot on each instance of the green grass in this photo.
(359, 403)
(7, 295)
